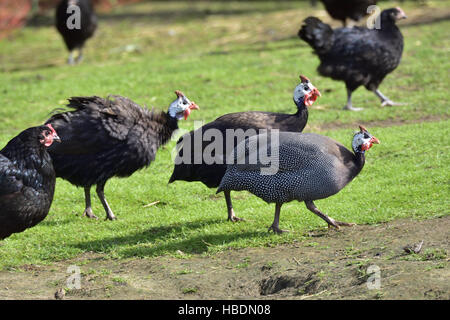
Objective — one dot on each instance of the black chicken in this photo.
(357, 56)
(347, 9)
(27, 180)
(110, 137)
(76, 22)
(190, 165)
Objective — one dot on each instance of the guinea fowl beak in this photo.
(374, 140)
(317, 92)
(192, 106)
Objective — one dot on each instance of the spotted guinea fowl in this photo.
(190, 164)
(76, 22)
(348, 9)
(102, 138)
(304, 167)
(358, 56)
(27, 180)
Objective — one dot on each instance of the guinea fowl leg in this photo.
(276, 221)
(385, 101)
(87, 198)
(231, 215)
(349, 106)
(331, 222)
(101, 194)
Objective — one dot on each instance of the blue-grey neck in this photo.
(300, 103)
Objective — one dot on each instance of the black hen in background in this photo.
(102, 138)
(27, 180)
(347, 9)
(75, 35)
(358, 56)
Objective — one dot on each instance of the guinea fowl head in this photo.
(363, 140)
(392, 15)
(305, 94)
(48, 135)
(181, 107)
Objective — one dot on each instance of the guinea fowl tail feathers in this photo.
(317, 34)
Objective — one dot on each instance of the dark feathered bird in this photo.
(304, 167)
(191, 166)
(102, 138)
(357, 56)
(76, 22)
(348, 9)
(27, 180)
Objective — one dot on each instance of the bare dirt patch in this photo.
(326, 265)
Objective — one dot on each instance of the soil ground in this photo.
(328, 264)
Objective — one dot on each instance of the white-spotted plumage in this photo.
(310, 167)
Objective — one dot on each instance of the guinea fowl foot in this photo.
(235, 219)
(331, 222)
(276, 229)
(88, 213)
(232, 217)
(337, 224)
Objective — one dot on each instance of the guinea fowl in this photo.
(357, 56)
(189, 167)
(27, 180)
(347, 9)
(76, 22)
(308, 167)
(110, 137)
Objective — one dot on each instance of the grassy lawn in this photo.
(226, 57)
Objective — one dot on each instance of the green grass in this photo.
(227, 58)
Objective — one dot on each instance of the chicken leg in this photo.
(331, 222)
(80, 56)
(276, 221)
(231, 216)
(349, 106)
(101, 195)
(70, 61)
(87, 198)
(385, 101)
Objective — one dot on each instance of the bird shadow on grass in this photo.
(167, 239)
(28, 67)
